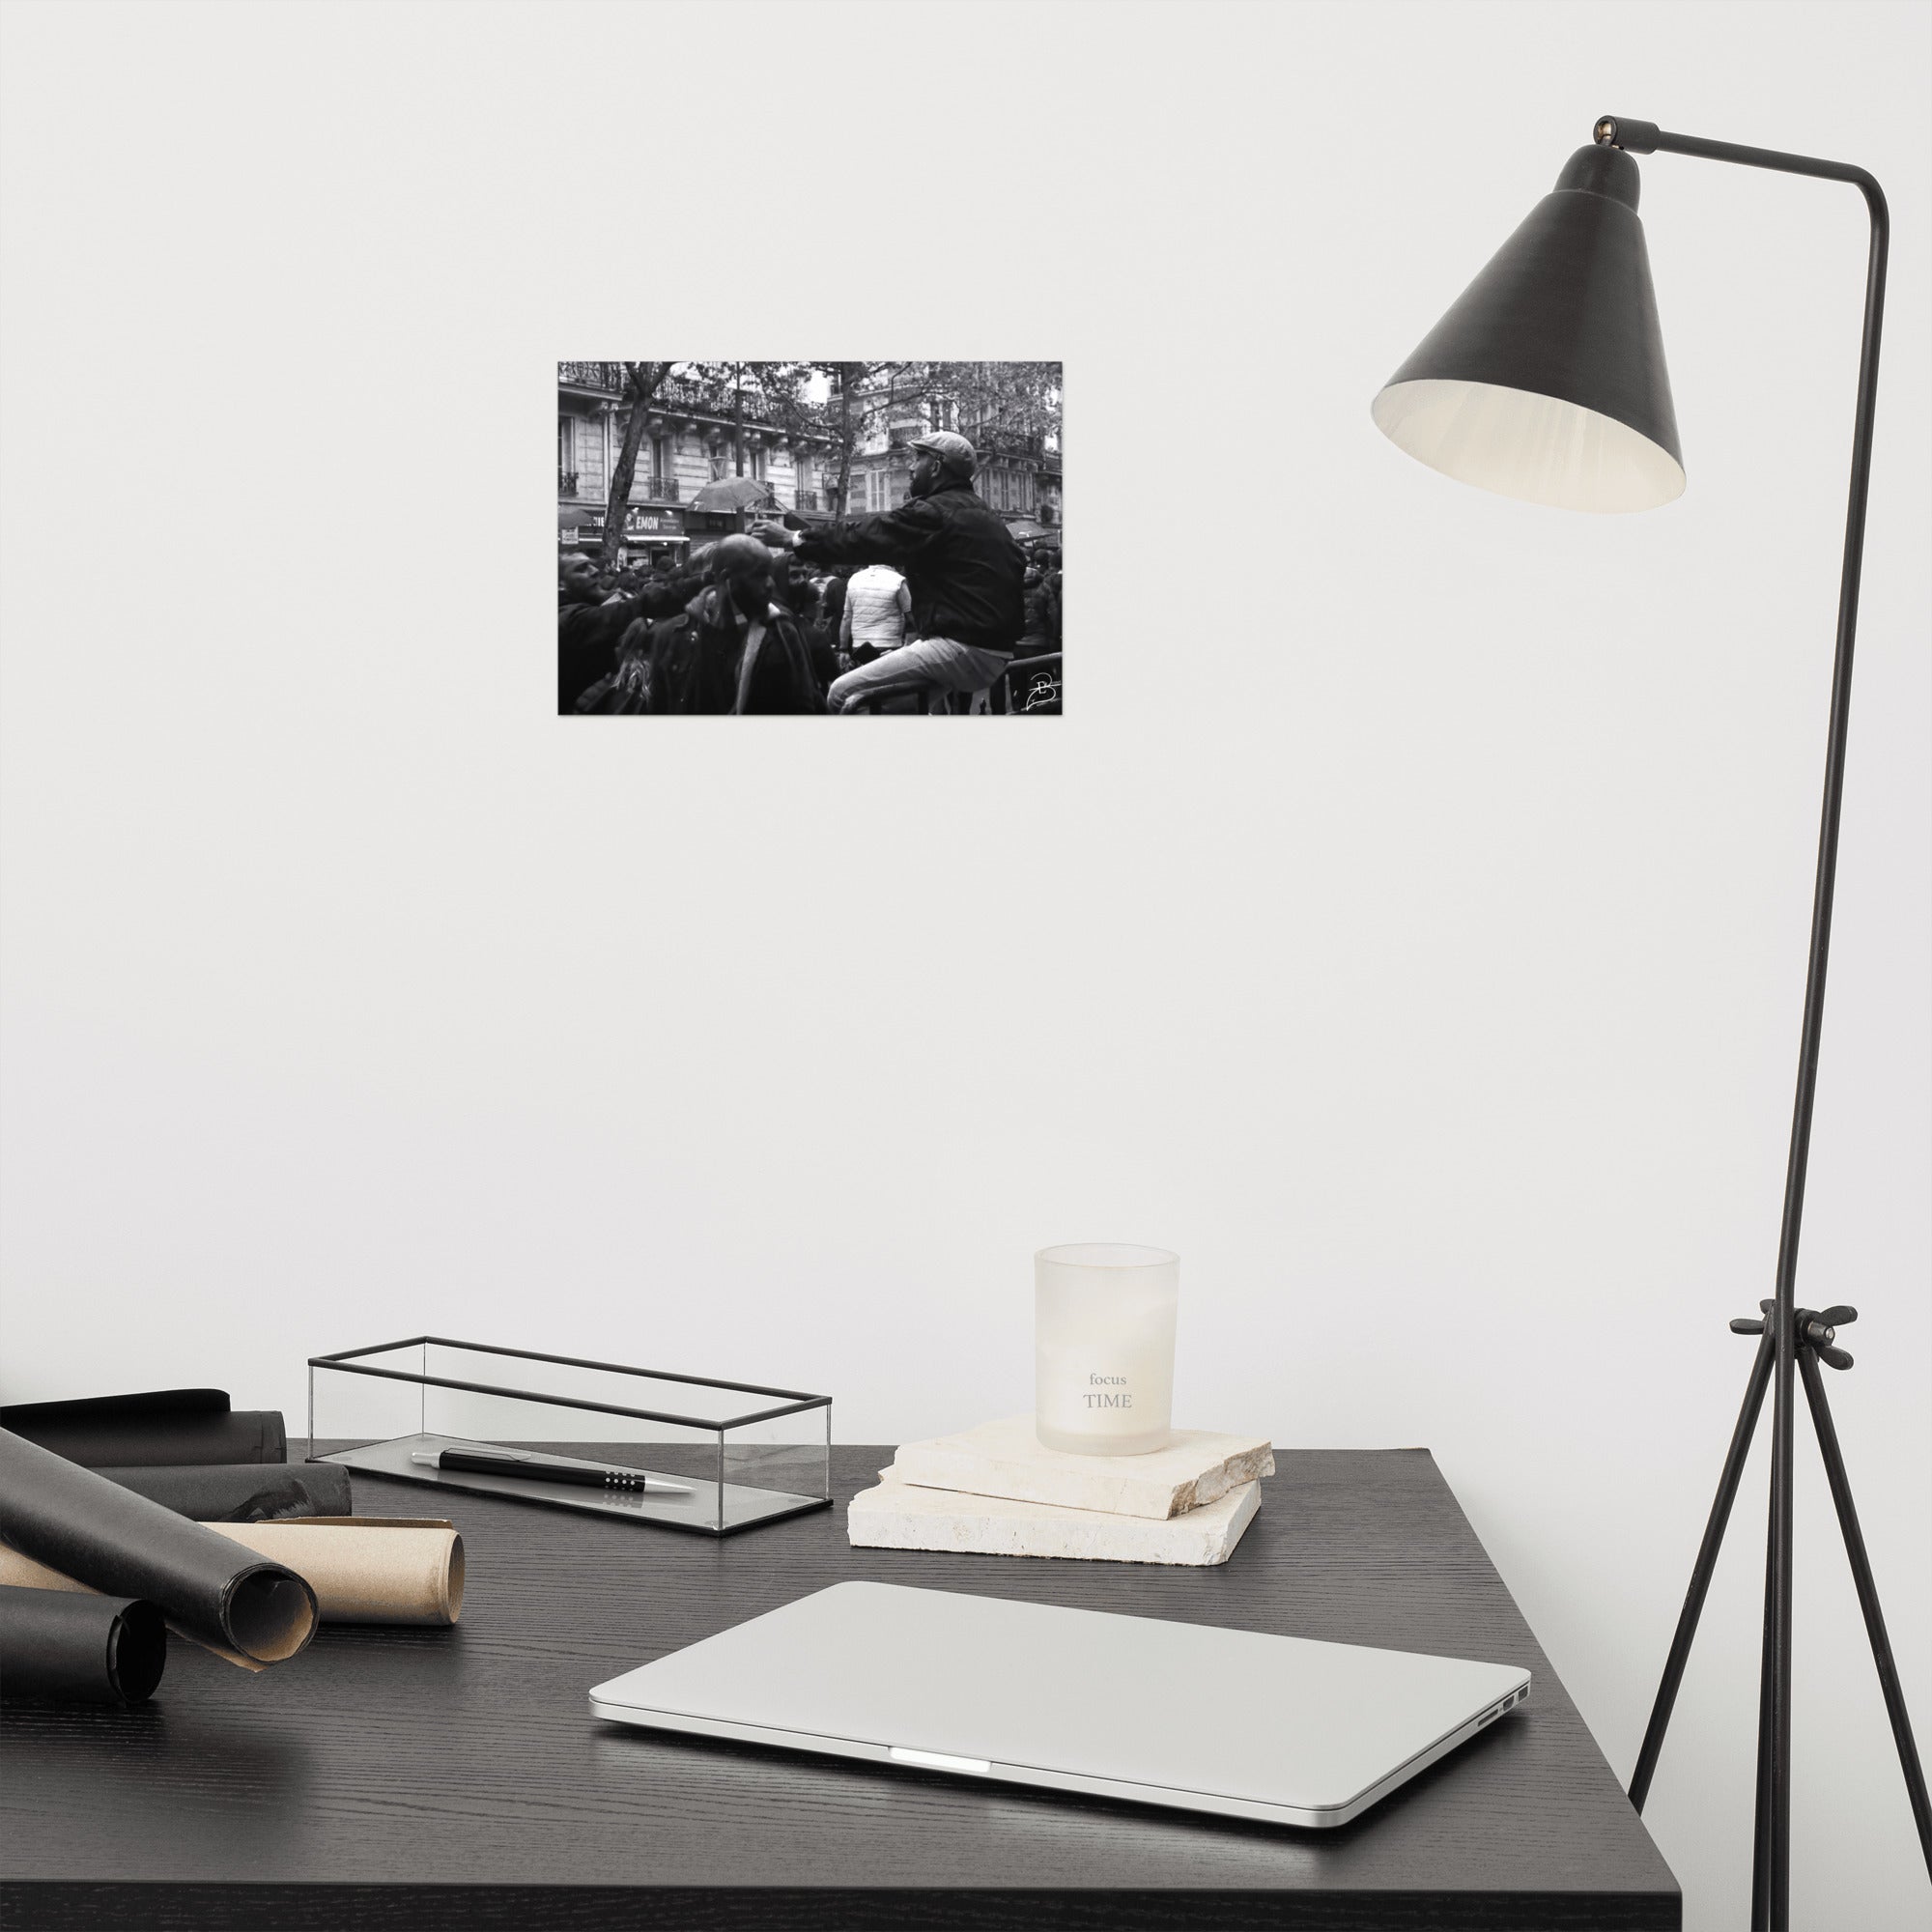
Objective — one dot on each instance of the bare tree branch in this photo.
(641, 383)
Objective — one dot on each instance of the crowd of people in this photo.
(927, 608)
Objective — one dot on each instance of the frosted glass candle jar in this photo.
(1103, 1348)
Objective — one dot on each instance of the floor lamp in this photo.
(1547, 382)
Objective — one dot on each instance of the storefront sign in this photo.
(639, 527)
(653, 524)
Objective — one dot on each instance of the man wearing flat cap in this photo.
(965, 571)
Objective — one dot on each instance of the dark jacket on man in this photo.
(588, 630)
(966, 574)
(1042, 617)
(717, 659)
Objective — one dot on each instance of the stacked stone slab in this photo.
(995, 1490)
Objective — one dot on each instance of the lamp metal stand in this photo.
(1794, 1339)
(1817, 1333)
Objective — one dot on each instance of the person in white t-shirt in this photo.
(878, 604)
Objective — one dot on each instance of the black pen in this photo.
(545, 1469)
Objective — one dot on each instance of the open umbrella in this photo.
(734, 493)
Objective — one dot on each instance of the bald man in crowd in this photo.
(735, 649)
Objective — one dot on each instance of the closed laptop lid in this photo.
(1273, 1719)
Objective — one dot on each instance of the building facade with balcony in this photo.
(691, 436)
(1018, 472)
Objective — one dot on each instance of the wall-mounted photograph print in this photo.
(830, 539)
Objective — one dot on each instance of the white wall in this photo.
(1407, 924)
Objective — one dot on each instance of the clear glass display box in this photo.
(720, 1456)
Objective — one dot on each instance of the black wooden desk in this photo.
(422, 1779)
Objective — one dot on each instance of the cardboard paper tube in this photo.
(369, 1569)
(108, 1539)
(59, 1647)
(363, 1569)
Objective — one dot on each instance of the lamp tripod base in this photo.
(1814, 1340)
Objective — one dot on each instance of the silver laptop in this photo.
(1279, 1728)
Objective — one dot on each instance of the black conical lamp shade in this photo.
(1545, 380)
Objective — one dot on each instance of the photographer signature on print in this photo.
(817, 538)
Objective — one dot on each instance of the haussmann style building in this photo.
(691, 439)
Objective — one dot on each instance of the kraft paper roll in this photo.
(108, 1539)
(241, 1492)
(367, 1568)
(59, 1647)
(363, 1569)
(171, 1426)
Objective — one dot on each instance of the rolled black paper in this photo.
(217, 1592)
(144, 1401)
(67, 1647)
(241, 1492)
(165, 1426)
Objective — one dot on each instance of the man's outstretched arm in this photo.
(896, 537)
